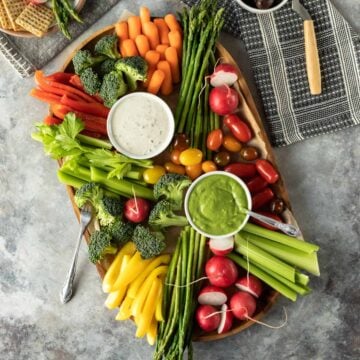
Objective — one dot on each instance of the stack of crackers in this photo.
(17, 15)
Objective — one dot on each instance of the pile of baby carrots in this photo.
(159, 42)
(64, 93)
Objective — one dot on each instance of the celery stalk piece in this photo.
(265, 277)
(301, 279)
(281, 238)
(87, 140)
(302, 290)
(286, 253)
(262, 257)
(67, 179)
(77, 171)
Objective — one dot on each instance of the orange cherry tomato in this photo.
(214, 139)
(152, 175)
(193, 171)
(191, 157)
(230, 143)
(208, 166)
(176, 169)
(175, 156)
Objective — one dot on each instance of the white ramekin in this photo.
(255, 10)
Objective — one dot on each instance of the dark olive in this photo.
(249, 153)
(181, 142)
(277, 206)
(264, 4)
(222, 158)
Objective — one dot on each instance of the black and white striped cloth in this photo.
(275, 45)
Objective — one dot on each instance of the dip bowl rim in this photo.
(255, 10)
(192, 187)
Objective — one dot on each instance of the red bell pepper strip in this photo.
(262, 198)
(270, 215)
(88, 108)
(256, 184)
(76, 82)
(51, 120)
(242, 170)
(45, 96)
(61, 77)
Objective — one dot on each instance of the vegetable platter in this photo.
(162, 285)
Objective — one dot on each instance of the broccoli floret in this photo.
(162, 215)
(83, 60)
(114, 206)
(121, 232)
(106, 66)
(135, 69)
(112, 87)
(148, 243)
(90, 81)
(108, 45)
(171, 187)
(89, 192)
(100, 245)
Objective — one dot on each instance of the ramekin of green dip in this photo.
(216, 204)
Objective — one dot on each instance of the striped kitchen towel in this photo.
(275, 45)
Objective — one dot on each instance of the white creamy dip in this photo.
(141, 125)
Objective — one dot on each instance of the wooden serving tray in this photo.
(248, 112)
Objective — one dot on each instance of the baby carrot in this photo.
(161, 49)
(128, 48)
(142, 44)
(144, 15)
(150, 72)
(163, 31)
(172, 23)
(151, 31)
(152, 57)
(134, 24)
(175, 39)
(172, 58)
(122, 30)
(156, 81)
(167, 86)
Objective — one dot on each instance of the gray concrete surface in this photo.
(38, 230)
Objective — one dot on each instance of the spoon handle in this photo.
(288, 229)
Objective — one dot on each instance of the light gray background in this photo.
(38, 230)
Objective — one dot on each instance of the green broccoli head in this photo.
(121, 231)
(171, 187)
(89, 192)
(106, 66)
(83, 59)
(100, 245)
(162, 215)
(114, 206)
(90, 81)
(113, 86)
(148, 243)
(108, 46)
(135, 69)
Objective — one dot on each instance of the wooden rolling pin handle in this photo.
(312, 58)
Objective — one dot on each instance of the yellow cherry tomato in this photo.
(208, 166)
(193, 171)
(152, 175)
(175, 156)
(191, 157)
(176, 169)
(231, 144)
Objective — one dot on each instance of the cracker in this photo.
(4, 19)
(36, 19)
(13, 9)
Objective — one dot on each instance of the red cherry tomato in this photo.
(181, 142)
(267, 171)
(175, 156)
(136, 210)
(214, 140)
(262, 198)
(270, 215)
(256, 184)
(242, 170)
(238, 128)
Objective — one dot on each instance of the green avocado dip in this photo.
(216, 205)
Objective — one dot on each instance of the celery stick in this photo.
(67, 179)
(296, 287)
(94, 142)
(301, 279)
(265, 277)
(290, 255)
(80, 172)
(253, 252)
(123, 186)
(281, 238)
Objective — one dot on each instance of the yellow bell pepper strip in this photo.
(152, 332)
(135, 286)
(124, 311)
(158, 309)
(114, 269)
(149, 309)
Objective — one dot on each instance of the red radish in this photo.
(223, 100)
(212, 295)
(224, 74)
(136, 210)
(222, 246)
(250, 284)
(221, 271)
(243, 305)
(226, 320)
(205, 320)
